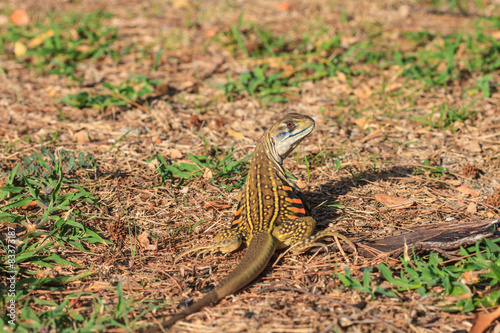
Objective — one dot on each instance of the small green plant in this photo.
(63, 317)
(442, 63)
(365, 285)
(228, 173)
(43, 203)
(481, 260)
(257, 84)
(485, 83)
(435, 171)
(122, 95)
(57, 46)
(448, 116)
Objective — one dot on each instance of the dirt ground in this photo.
(366, 123)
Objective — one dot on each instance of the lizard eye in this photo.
(290, 124)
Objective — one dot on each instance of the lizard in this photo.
(272, 213)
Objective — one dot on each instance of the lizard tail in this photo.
(259, 252)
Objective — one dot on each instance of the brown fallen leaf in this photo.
(394, 202)
(372, 135)
(237, 135)
(81, 137)
(46, 273)
(208, 174)
(285, 6)
(215, 205)
(174, 153)
(454, 182)
(483, 320)
(19, 49)
(98, 285)
(31, 205)
(38, 40)
(19, 17)
(362, 122)
(471, 208)
(471, 277)
(195, 122)
(143, 239)
(473, 147)
(468, 191)
(302, 185)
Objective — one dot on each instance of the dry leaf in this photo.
(215, 205)
(174, 153)
(471, 208)
(180, 4)
(372, 135)
(362, 122)
(471, 277)
(81, 137)
(195, 122)
(208, 174)
(302, 185)
(394, 202)
(98, 285)
(237, 135)
(19, 17)
(31, 205)
(143, 239)
(19, 49)
(467, 191)
(285, 6)
(483, 320)
(211, 32)
(51, 93)
(47, 273)
(341, 76)
(473, 147)
(38, 40)
(496, 34)
(454, 182)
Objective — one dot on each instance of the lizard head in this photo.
(288, 132)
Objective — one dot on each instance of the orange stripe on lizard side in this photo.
(238, 212)
(294, 200)
(287, 188)
(297, 210)
(237, 221)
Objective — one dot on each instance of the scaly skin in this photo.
(272, 213)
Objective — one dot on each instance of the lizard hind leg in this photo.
(294, 231)
(228, 240)
(298, 234)
(312, 241)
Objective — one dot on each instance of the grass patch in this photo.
(278, 63)
(447, 117)
(40, 202)
(67, 314)
(475, 275)
(122, 95)
(227, 172)
(57, 44)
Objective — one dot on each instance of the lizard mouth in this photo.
(310, 127)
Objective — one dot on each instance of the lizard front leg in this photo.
(228, 240)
